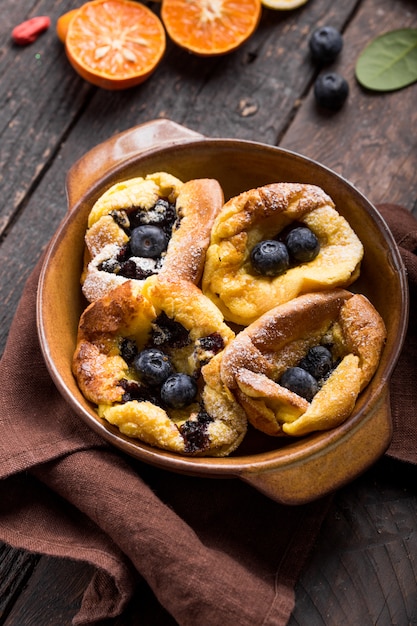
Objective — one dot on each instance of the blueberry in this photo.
(128, 350)
(325, 44)
(136, 391)
(302, 244)
(300, 382)
(270, 258)
(318, 362)
(148, 241)
(168, 332)
(153, 366)
(212, 343)
(331, 90)
(195, 434)
(112, 266)
(178, 391)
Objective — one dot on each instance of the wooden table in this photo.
(363, 569)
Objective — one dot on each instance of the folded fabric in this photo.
(403, 388)
(213, 551)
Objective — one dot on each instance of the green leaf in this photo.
(389, 62)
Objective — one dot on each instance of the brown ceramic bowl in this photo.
(289, 471)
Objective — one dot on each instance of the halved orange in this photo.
(63, 23)
(210, 27)
(114, 44)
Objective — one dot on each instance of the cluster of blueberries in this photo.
(272, 257)
(161, 384)
(330, 88)
(154, 367)
(156, 370)
(309, 375)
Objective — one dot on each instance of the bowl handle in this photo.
(101, 159)
(321, 474)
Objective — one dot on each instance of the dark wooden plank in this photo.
(360, 142)
(364, 566)
(52, 596)
(16, 567)
(253, 94)
(40, 104)
(49, 591)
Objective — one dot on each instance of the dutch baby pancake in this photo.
(300, 367)
(149, 358)
(143, 226)
(271, 244)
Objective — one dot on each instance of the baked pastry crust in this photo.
(197, 203)
(260, 214)
(282, 317)
(256, 359)
(213, 425)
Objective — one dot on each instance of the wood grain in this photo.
(53, 594)
(37, 110)
(364, 567)
(381, 164)
(16, 568)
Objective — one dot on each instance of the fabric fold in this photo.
(403, 388)
(36, 424)
(213, 551)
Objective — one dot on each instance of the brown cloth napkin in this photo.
(403, 388)
(213, 551)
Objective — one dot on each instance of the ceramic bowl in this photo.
(288, 471)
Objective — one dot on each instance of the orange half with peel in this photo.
(114, 44)
(210, 27)
(63, 23)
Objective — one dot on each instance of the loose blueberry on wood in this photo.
(325, 44)
(331, 90)
(300, 382)
(270, 258)
(302, 244)
(153, 366)
(178, 391)
(148, 241)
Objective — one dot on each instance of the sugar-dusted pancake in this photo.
(334, 337)
(144, 226)
(141, 352)
(267, 213)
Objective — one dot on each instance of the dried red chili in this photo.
(27, 32)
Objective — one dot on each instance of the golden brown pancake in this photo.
(263, 213)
